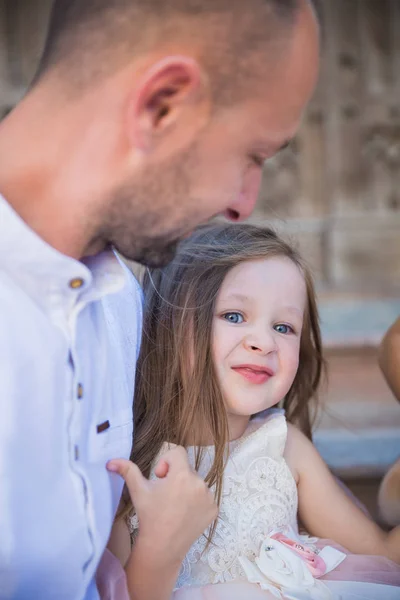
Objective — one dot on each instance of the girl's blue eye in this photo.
(233, 317)
(282, 328)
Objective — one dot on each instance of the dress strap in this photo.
(266, 434)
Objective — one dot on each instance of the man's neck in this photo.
(35, 147)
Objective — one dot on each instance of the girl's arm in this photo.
(148, 575)
(120, 541)
(325, 509)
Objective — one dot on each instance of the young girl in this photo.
(230, 333)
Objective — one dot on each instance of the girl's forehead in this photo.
(273, 270)
(277, 277)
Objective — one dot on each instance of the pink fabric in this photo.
(224, 591)
(360, 567)
(111, 579)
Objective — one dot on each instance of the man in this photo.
(146, 118)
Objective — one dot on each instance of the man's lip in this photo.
(255, 368)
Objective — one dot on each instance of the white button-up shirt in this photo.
(69, 339)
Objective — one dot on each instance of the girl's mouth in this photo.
(254, 373)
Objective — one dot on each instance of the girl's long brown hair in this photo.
(177, 396)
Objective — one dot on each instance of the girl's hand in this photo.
(173, 511)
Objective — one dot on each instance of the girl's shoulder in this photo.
(299, 450)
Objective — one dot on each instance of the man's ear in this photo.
(172, 94)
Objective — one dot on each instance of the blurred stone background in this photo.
(336, 192)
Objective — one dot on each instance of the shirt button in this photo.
(79, 391)
(76, 283)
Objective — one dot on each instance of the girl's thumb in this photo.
(135, 482)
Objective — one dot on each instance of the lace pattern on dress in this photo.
(259, 495)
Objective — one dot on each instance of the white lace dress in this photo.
(259, 498)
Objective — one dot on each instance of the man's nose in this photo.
(243, 206)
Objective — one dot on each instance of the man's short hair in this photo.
(90, 38)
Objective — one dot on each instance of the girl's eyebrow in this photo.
(293, 309)
(237, 296)
(246, 299)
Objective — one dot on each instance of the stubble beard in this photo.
(146, 220)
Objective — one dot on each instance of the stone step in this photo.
(354, 321)
(358, 428)
(366, 453)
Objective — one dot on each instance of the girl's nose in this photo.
(260, 344)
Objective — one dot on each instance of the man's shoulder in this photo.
(17, 309)
(29, 341)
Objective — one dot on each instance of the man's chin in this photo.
(154, 257)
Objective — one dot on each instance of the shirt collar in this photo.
(41, 270)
